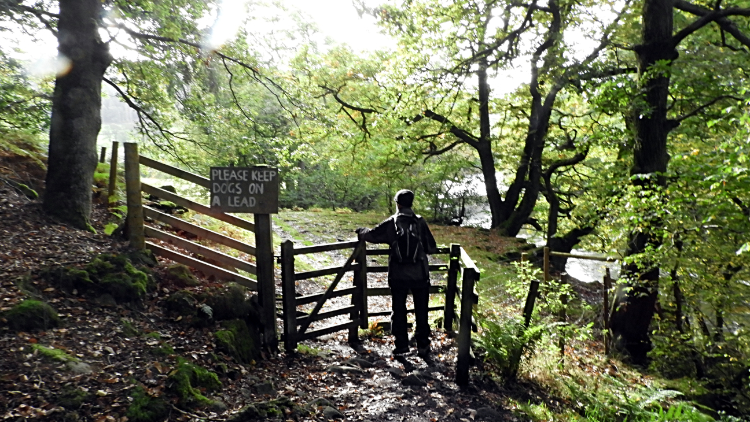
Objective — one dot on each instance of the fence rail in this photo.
(535, 285)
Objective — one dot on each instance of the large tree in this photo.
(454, 52)
(76, 107)
(657, 54)
(167, 34)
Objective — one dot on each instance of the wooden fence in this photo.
(222, 266)
(459, 267)
(534, 291)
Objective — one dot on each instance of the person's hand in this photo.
(360, 231)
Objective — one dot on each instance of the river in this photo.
(582, 269)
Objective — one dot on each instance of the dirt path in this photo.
(369, 383)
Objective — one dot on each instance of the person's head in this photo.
(404, 198)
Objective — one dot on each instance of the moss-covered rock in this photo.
(72, 397)
(188, 381)
(232, 302)
(181, 303)
(181, 275)
(238, 341)
(142, 258)
(31, 315)
(111, 274)
(116, 275)
(145, 408)
(68, 278)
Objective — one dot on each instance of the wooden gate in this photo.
(222, 266)
(460, 267)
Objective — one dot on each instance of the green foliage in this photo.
(308, 350)
(110, 228)
(507, 342)
(24, 108)
(101, 175)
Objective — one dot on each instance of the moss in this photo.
(117, 276)
(54, 354)
(68, 278)
(237, 340)
(72, 398)
(168, 204)
(181, 275)
(145, 408)
(128, 329)
(229, 303)
(181, 303)
(31, 315)
(164, 348)
(188, 380)
(30, 193)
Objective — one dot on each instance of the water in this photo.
(582, 269)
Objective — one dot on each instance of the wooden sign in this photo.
(245, 189)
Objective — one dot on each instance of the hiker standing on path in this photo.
(410, 240)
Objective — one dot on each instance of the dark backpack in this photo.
(407, 247)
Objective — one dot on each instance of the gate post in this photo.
(605, 311)
(464, 329)
(113, 171)
(266, 282)
(360, 281)
(134, 219)
(449, 313)
(288, 295)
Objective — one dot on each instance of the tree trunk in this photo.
(630, 321)
(484, 149)
(76, 118)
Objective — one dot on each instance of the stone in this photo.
(31, 315)
(181, 275)
(320, 401)
(265, 387)
(362, 363)
(396, 372)
(413, 380)
(344, 369)
(331, 413)
(78, 367)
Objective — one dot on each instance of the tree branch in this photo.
(677, 121)
(707, 16)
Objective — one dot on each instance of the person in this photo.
(406, 273)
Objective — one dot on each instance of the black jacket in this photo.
(403, 273)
